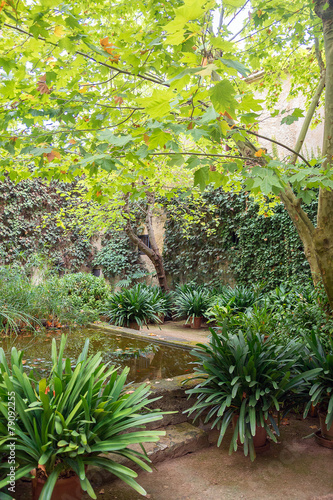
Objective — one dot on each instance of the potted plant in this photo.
(320, 356)
(192, 304)
(243, 379)
(73, 419)
(133, 308)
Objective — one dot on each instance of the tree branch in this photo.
(310, 113)
(276, 142)
(83, 54)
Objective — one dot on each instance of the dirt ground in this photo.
(294, 469)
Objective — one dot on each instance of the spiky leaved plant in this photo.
(248, 377)
(67, 420)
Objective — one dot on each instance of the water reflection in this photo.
(147, 361)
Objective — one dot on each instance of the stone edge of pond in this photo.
(128, 332)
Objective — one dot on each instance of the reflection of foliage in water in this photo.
(131, 352)
(146, 360)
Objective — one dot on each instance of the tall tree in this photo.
(101, 92)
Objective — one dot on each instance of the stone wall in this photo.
(288, 134)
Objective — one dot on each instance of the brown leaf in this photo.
(104, 41)
(42, 87)
(146, 139)
(118, 100)
(190, 126)
(53, 154)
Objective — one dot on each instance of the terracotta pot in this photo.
(260, 437)
(196, 323)
(327, 434)
(65, 489)
(134, 325)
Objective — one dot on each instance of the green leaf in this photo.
(222, 97)
(201, 177)
(236, 65)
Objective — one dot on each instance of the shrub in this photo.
(85, 290)
(65, 422)
(191, 303)
(248, 377)
(134, 305)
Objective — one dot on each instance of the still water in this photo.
(147, 361)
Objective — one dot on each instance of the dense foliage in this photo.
(140, 305)
(85, 290)
(72, 300)
(223, 236)
(67, 420)
(119, 258)
(250, 377)
(27, 226)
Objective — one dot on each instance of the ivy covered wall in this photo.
(220, 237)
(28, 228)
(24, 232)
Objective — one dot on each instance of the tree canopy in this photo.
(129, 96)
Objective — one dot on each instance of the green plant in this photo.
(28, 224)
(320, 356)
(119, 258)
(85, 289)
(191, 303)
(248, 377)
(216, 236)
(134, 305)
(239, 298)
(66, 421)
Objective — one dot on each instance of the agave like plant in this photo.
(238, 298)
(67, 420)
(320, 356)
(248, 378)
(191, 303)
(134, 305)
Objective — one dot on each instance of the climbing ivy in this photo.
(223, 237)
(24, 231)
(119, 258)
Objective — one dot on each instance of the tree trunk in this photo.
(323, 237)
(152, 253)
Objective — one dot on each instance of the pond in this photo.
(147, 360)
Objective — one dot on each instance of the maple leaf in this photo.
(110, 48)
(59, 31)
(118, 99)
(53, 154)
(42, 87)
(259, 153)
(104, 41)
